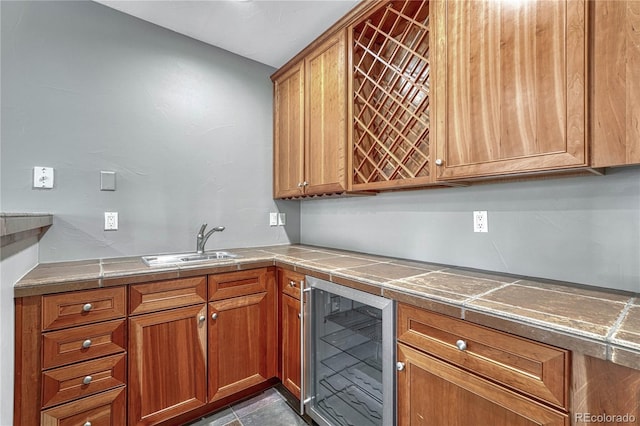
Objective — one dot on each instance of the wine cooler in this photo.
(348, 356)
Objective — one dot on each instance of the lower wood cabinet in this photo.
(242, 343)
(452, 372)
(167, 364)
(290, 284)
(431, 391)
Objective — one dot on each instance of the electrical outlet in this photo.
(480, 221)
(110, 221)
(282, 219)
(273, 219)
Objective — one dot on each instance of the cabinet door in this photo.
(288, 138)
(290, 321)
(615, 83)
(242, 343)
(431, 391)
(326, 106)
(167, 364)
(509, 86)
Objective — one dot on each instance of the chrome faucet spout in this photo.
(201, 238)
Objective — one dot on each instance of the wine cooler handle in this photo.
(303, 347)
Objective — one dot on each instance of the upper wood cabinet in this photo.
(288, 136)
(310, 114)
(389, 136)
(615, 83)
(509, 86)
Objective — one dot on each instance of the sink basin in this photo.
(187, 258)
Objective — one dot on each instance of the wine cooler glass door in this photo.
(349, 356)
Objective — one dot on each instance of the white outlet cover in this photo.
(110, 221)
(480, 221)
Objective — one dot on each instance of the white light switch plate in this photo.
(273, 219)
(282, 219)
(43, 177)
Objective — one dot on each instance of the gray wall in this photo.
(186, 126)
(584, 229)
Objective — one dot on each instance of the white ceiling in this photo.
(267, 31)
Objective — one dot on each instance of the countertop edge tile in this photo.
(357, 285)
(139, 278)
(624, 356)
(588, 346)
(423, 302)
(56, 287)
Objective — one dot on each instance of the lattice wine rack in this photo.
(391, 97)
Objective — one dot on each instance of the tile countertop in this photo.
(596, 322)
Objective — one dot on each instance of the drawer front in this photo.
(82, 343)
(75, 381)
(104, 409)
(233, 284)
(290, 282)
(82, 307)
(157, 296)
(530, 367)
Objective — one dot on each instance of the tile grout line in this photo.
(464, 305)
(616, 325)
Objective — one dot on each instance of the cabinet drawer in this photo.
(75, 381)
(157, 296)
(104, 409)
(290, 282)
(82, 307)
(224, 286)
(530, 367)
(82, 343)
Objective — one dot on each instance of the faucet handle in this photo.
(202, 228)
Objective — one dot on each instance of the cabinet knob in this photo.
(214, 316)
(292, 283)
(299, 316)
(462, 345)
(202, 318)
(87, 307)
(299, 184)
(87, 380)
(86, 344)
(305, 183)
(87, 424)
(439, 162)
(399, 366)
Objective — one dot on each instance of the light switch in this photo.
(282, 219)
(273, 219)
(43, 177)
(107, 181)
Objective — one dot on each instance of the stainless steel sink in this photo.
(187, 258)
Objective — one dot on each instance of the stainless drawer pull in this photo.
(400, 366)
(87, 307)
(202, 318)
(86, 344)
(87, 424)
(214, 316)
(462, 345)
(87, 380)
(292, 283)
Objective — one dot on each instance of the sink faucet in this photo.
(201, 238)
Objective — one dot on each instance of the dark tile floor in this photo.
(269, 408)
